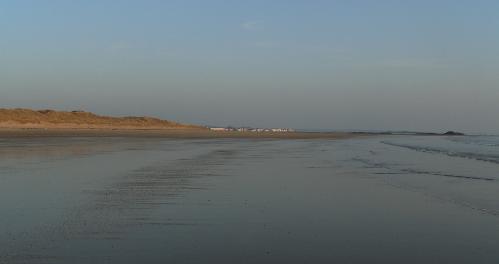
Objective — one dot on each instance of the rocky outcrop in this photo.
(452, 133)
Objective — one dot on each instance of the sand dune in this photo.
(51, 119)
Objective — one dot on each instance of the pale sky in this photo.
(371, 65)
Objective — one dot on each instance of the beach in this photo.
(249, 132)
(248, 200)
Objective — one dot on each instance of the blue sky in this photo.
(416, 65)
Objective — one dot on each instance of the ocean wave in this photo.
(452, 153)
(393, 171)
(488, 141)
(412, 171)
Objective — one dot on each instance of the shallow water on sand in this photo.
(370, 200)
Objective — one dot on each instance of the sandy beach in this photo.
(249, 132)
(165, 200)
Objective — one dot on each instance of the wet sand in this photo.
(225, 200)
(170, 133)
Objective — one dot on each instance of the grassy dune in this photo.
(47, 119)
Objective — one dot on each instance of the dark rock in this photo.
(452, 133)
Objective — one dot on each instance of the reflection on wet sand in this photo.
(54, 148)
(125, 204)
(116, 200)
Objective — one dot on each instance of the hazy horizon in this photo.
(338, 65)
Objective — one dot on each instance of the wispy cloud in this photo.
(252, 25)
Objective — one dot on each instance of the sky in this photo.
(420, 65)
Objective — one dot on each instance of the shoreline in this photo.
(170, 133)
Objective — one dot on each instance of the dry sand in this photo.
(168, 133)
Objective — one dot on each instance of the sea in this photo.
(368, 199)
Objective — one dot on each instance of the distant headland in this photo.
(411, 133)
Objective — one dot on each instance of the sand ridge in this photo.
(50, 119)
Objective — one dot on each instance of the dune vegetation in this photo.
(27, 118)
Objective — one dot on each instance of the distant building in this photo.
(250, 129)
(282, 130)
